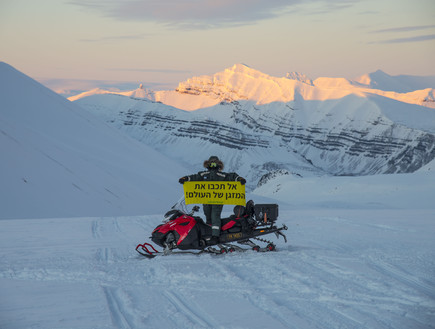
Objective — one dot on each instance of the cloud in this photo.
(409, 39)
(369, 12)
(405, 29)
(326, 7)
(149, 70)
(199, 14)
(117, 38)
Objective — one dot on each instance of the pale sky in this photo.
(168, 41)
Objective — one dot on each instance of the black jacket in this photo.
(214, 175)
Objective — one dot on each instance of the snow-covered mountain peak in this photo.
(140, 92)
(236, 75)
(401, 84)
(240, 67)
(244, 70)
(379, 80)
(239, 82)
(299, 77)
(366, 79)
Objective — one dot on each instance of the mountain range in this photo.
(260, 124)
(112, 153)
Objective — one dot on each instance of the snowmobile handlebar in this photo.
(194, 209)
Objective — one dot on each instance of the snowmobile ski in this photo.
(144, 251)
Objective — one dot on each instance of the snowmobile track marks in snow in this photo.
(105, 255)
(279, 308)
(403, 277)
(96, 229)
(257, 298)
(118, 311)
(191, 313)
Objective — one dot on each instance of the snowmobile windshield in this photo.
(179, 209)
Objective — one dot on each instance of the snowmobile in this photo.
(187, 233)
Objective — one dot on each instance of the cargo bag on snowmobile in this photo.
(267, 213)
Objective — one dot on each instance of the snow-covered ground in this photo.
(360, 251)
(347, 265)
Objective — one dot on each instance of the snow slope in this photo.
(355, 265)
(399, 191)
(58, 160)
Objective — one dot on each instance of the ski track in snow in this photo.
(335, 272)
(404, 278)
(190, 310)
(119, 312)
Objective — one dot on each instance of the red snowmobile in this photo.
(184, 231)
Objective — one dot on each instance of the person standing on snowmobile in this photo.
(213, 172)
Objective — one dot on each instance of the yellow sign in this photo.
(203, 192)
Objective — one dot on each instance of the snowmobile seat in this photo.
(235, 224)
(231, 224)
